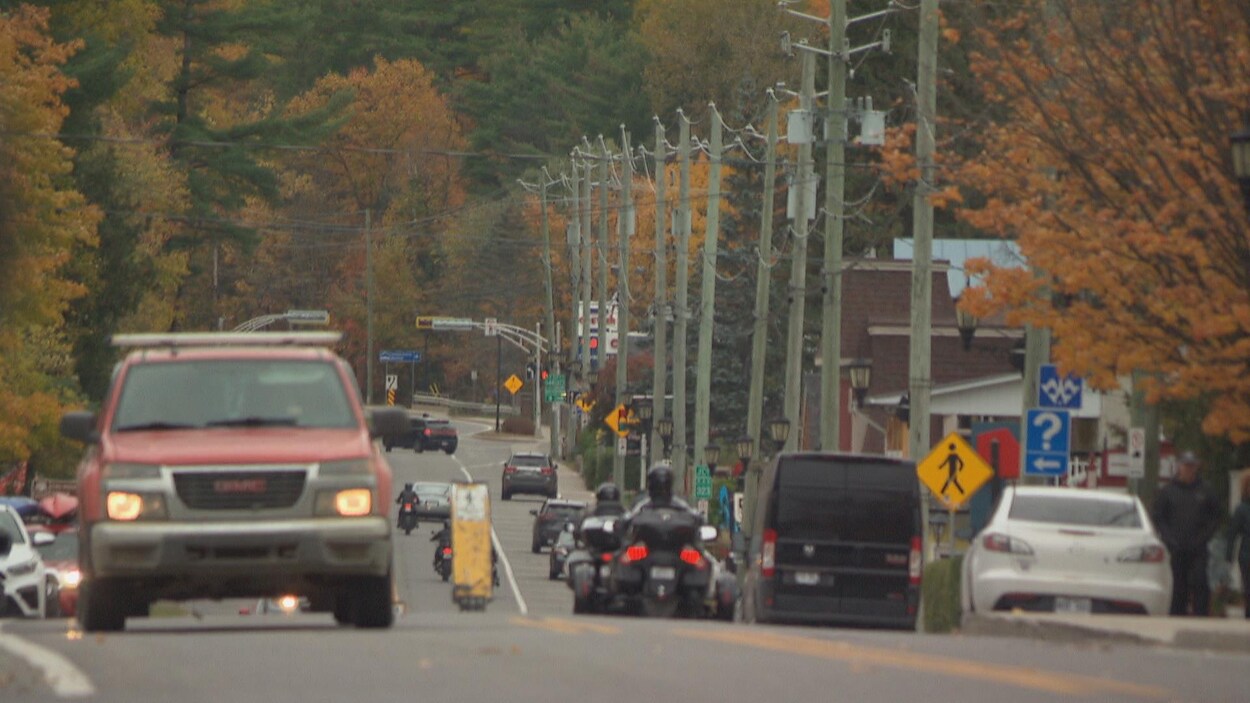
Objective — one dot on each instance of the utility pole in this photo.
(659, 382)
(680, 313)
(602, 247)
(587, 276)
(920, 373)
(798, 260)
(759, 336)
(835, 186)
(1146, 416)
(707, 297)
(368, 310)
(624, 229)
(550, 310)
(574, 236)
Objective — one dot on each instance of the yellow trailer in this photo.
(472, 564)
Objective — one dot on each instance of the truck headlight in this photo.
(125, 506)
(347, 502)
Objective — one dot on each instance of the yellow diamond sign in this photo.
(954, 471)
(618, 418)
(513, 384)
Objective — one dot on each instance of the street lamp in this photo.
(861, 376)
(966, 322)
(779, 432)
(746, 448)
(711, 453)
(665, 426)
(1241, 161)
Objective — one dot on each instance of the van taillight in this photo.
(914, 562)
(768, 554)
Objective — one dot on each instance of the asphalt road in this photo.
(530, 648)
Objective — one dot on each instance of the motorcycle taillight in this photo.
(407, 506)
(446, 551)
(635, 552)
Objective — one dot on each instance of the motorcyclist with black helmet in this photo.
(407, 496)
(660, 492)
(608, 501)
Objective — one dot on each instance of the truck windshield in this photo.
(232, 393)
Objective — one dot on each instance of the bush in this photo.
(940, 594)
(518, 425)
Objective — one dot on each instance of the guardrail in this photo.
(463, 406)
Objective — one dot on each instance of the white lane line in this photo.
(503, 557)
(65, 679)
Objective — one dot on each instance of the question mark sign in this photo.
(1053, 425)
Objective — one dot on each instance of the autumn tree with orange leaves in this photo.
(42, 222)
(1106, 157)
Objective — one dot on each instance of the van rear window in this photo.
(869, 502)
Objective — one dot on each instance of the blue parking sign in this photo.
(1055, 391)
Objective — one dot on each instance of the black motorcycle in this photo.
(408, 517)
(588, 566)
(662, 569)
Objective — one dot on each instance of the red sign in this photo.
(1008, 450)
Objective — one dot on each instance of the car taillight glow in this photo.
(509, 469)
(1146, 553)
(691, 556)
(998, 542)
(427, 432)
(635, 552)
(353, 502)
(768, 554)
(547, 471)
(915, 561)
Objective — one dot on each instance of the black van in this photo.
(837, 541)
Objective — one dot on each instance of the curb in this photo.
(1183, 633)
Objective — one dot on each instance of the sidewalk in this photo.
(1220, 634)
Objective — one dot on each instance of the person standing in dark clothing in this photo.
(1187, 514)
(1239, 528)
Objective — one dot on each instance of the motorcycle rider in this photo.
(660, 493)
(443, 538)
(407, 495)
(608, 501)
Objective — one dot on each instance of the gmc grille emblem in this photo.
(809, 550)
(239, 485)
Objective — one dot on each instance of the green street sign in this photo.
(554, 388)
(702, 482)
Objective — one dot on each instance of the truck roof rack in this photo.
(225, 339)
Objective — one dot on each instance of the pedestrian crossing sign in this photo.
(954, 471)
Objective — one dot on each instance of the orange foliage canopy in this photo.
(1109, 163)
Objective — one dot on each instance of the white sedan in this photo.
(23, 578)
(1067, 550)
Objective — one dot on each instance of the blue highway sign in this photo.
(402, 356)
(1055, 391)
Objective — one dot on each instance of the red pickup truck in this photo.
(234, 465)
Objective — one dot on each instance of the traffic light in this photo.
(545, 374)
(529, 371)
(594, 343)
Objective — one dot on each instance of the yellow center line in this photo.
(565, 627)
(1051, 681)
